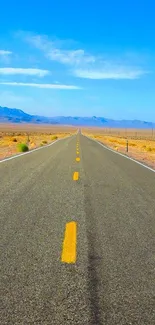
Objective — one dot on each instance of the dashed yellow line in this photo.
(77, 158)
(69, 243)
(75, 176)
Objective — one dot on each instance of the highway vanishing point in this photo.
(77, 237)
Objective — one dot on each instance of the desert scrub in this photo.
(22, 147)
(14, 140)
(149, 149)
(54, 137)
(44, 142)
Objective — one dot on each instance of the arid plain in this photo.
(34, 136)
(140, 142)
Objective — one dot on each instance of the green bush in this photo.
(54, 137)
(22, 147)
(44, 142)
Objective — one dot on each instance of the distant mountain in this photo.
(13, 115)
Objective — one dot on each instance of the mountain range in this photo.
(13, 115)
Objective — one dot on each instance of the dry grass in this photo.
(140, 147)
(35, 128)
(125, 133)
(32, 135)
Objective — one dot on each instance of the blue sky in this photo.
(79, 58)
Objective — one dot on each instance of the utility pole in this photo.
(28, 139)
(127, 145)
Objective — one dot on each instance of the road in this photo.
(77, 237)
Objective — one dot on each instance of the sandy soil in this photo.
(141, 149)
(32, 135)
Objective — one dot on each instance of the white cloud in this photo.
(36, 85)
(70, 57)
(109, 74)
(85, 65)
(54, 53)
(23, 71)
(4, 53)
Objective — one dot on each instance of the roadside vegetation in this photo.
(54, 137)
(141, 143)
(21, 138)
(22, 147)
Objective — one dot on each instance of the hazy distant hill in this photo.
(13, 115)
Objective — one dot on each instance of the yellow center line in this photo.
(75, 176)
(69, 243)
(77, 152)
(78, 159)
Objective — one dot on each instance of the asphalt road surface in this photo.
(77, 237)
